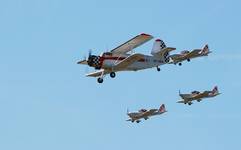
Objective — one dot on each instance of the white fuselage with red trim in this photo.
(108, 60)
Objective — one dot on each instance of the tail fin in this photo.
(158, 46)
(162, 108)
(205, 50)
(215, 90)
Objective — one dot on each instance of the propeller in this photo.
(91, 60)
(89, 53)
(87, 58)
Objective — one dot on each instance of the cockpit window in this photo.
(143, 110)
(108, 53)
(195, 92)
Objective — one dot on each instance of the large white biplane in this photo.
(122, 58)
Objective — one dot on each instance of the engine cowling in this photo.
(94, 61)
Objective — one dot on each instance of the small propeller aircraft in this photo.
(188, 55)
(198, 96)
(145, 114)
(119, 59)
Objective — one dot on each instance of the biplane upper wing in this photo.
(132, 43)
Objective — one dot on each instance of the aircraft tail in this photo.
(158, 46)
(215, 90)
(205, 50)
(160, 50)
(162, 108)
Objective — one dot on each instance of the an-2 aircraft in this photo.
(145, 114)
(188, 55)
(198, 96)
(119, 59)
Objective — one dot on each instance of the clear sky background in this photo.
(46, 102)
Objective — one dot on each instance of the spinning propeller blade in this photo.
(90, 53)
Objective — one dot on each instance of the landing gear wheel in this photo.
(138, 121)
(189, 104)
(179, 64)
(158, 69)
(112, 74)
(100, 80)
(188, 59)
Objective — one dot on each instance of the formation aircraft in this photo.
(122, 58)
(145, 114)
(188, 55)
(198, 96)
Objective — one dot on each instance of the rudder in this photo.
(158, 46)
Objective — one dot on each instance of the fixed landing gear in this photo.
(112, 74)
(189, 104)
(188, 59)
(179, 64)
(158, 69)
(100, 80)
(138, 121)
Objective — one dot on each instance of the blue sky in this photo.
(46, 102)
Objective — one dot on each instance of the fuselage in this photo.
(205, 94)
(108, 60)
(139, 115)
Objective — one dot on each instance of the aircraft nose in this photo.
(91, 60)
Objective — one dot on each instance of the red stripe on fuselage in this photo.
(101, 61)
(118, 58)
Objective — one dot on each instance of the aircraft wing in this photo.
(148, 113)
(193, 53)
(132, 43)
(128, 61)
(181, 101)
(199, 96)
(97, 73)
(176, 58)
